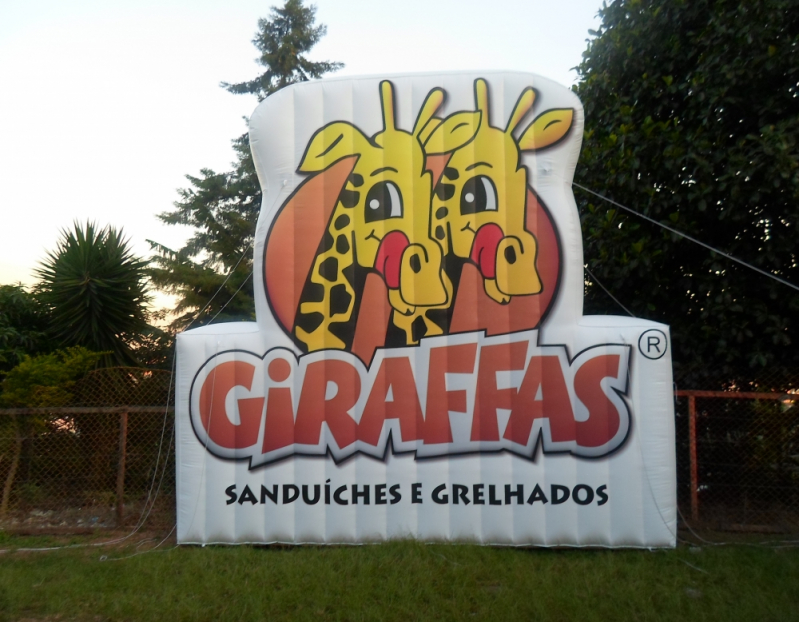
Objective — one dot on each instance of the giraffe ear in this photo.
(330, 144)
(427, 130)
(452, 133)
(547, 129)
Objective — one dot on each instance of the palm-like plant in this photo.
(96, 290)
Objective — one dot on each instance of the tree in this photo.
(23, 326)
(46, 380)
(96, 292)
(282, 42)
(223, 207)
(692, 118)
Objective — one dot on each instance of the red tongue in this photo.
(389, 257)
(484, 249)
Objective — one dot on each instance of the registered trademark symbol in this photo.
(653, 343)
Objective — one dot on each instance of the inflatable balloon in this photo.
(420, 365)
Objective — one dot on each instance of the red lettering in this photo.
(219, 382)
(502, 357)
(332, 387)
(603, 417)
(457, 359)
(394, 374)
(279, 370)
(313, 408)
(543, 379)
(279, 430)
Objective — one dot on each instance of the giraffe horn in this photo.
(387, 101)
(431, 103)
(523, 105)
(481, 97)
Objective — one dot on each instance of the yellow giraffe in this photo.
(479, 206)
(381, 222)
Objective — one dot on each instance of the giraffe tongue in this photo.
(389, 257)
(484, 249)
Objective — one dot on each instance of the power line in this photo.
(227, 278)
(688, 237)
(231, 298)
(616, 300)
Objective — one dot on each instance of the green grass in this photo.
(397, 581)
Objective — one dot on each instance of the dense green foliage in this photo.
(23, 325)
(40, 381)
(223, 207)
(46, 379)
(397, 581)
(692, 118)
(95, 290)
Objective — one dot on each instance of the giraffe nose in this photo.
(516, 273)
(389, 257)
(421, 284)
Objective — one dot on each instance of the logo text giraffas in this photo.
(462, 394)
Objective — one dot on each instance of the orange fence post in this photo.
(692, 451)
(123, 442)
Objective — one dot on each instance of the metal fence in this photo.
(107, 460)
(738, 449)
(738, 460)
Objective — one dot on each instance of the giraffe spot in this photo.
(342, 245)
(451, 173)
(510, 255)
(349, 198)
(442, 212)
(418, 329)
(328, 269)
(349, 274)
(445, 191)
(309, 322)
(416, 264)
(342, 221)
(313, 292)
(327, 242)
(343, 330)
(356, 180)
(339, 299)
(440, 232)
(439, 317)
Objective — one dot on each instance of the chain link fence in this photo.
(738, 452)
(104, 461)
(107, 460)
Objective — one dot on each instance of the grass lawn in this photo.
(396, 581)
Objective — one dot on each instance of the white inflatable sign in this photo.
(420, 366)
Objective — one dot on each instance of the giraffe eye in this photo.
(383, 201)
(478, 195)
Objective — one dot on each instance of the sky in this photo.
(106, 105)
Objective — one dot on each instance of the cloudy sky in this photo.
(106, 105)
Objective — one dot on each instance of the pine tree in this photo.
(282, 42)
(223, 207)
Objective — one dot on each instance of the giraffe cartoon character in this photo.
(379, 225)
(481, 201)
